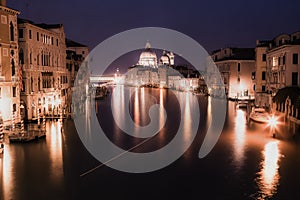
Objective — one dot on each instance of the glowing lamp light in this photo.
(272, 121)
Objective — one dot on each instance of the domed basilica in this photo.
(151, 72)
(148, 58)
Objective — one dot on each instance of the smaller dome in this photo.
(164, 60)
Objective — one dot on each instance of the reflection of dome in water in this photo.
(148, 57)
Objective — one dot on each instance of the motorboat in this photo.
(259, 115)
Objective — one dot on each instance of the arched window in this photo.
(21, 56)
(12, 32)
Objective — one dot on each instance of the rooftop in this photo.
(235, 54)
(71, 43)
(42, 25)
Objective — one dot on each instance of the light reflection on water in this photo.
(22, 165)
(269, 177)
(239, 138)
(254, 152)
(56, 151)
(7, 174)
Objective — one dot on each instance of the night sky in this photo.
(214, 24)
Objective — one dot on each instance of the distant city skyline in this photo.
(214, 24)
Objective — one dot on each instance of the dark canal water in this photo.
(246, 163)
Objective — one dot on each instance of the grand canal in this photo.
(246, 163)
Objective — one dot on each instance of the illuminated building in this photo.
(236, 66)
(76, 53)
(45, 78)
(9, 68)
(277, 65)
(260, 76)
(149, 71)
(167, 58)
(148, 57)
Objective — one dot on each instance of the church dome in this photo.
(148, 57)
(164, 59)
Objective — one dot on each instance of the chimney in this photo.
(3, 3)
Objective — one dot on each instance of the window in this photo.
(3, 19)
(21, 56)
(23, 86)
(253, 76)
(39, 84)
(31, 84)
(14, 91)
(294, 78)
(30, 58)
(52, 40)
(56, 42)
(264, 57)
(263, 88)
(84, 52)
(239, 67)
(275, 61)
(279, 60)
(21, 33)
(14, 107)
(254, 88)
(13, 69)
(12, 31)
(30, 34)
(263, 76)
(37, 36)
(295, 58)
(5, 52)
(283, 60)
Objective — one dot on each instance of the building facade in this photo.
(76, 54)
(236, 66)
(9, 68)
(277, 66)
(45, 78)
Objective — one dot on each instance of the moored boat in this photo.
(27, 136)
(259, 115)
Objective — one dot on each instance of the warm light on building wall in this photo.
(5, 108)
(274, 61)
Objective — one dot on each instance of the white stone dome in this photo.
(148, 57)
